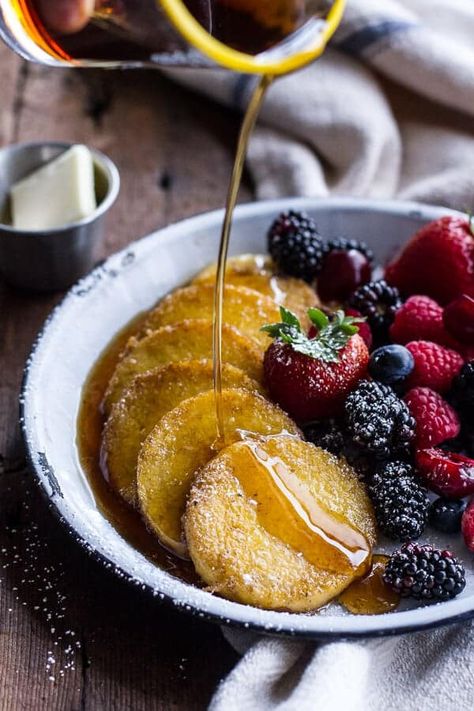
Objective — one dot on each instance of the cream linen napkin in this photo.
(386, 112)
(426, 671)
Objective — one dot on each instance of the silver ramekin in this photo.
(51, 260)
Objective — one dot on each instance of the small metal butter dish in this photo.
(50, 260)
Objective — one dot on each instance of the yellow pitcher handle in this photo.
(197, 36)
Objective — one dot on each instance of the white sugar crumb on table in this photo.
(57, 194)
(42, 585)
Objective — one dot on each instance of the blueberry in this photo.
(445, 515)
(391, 364)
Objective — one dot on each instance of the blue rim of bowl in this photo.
(100, 160)
(277, 630)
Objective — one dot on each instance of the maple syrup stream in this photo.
(248, 124)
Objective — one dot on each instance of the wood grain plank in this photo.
(174, 152)
(13, 76)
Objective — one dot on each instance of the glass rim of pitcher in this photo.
(187, 25)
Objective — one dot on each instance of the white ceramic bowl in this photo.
(99, 305)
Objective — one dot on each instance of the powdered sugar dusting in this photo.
(38, 582)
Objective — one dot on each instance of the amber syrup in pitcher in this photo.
(137, 30)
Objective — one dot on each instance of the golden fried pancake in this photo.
(245, 309)
(241, 265)
(185, 440)
(247, 541)
(187, 340)
(150, 396)
(255, 271)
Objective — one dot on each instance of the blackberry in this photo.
(378, 302)
(295, 245)
(400, 502)
(425, 573)
(445, 514)
(345, 245)
(327, 435)
(462, 392)
(361, 464)
(378, 422)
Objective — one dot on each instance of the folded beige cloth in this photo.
(386, 112)
(426, 671)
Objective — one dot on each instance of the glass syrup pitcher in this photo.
(251, 36)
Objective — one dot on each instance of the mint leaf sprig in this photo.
(333, 333)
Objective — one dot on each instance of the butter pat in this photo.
(57, 194)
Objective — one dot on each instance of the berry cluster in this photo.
(388, 381)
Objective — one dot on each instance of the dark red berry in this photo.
(467, 525)
(458, 317)
(446, 473)
(342, 273)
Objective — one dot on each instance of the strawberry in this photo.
(311, 377)
(437, 261)
(446, 473)
(436, 420)
(435, 366)
(467, 525)
(419, 318)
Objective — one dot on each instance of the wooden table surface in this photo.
(72, 635)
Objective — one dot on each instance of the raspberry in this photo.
(425, 573)
(436, 420)
(419, 318)
(378, 422)
(295, 245)
(378, 302)
(400, 502)
(435, 366)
